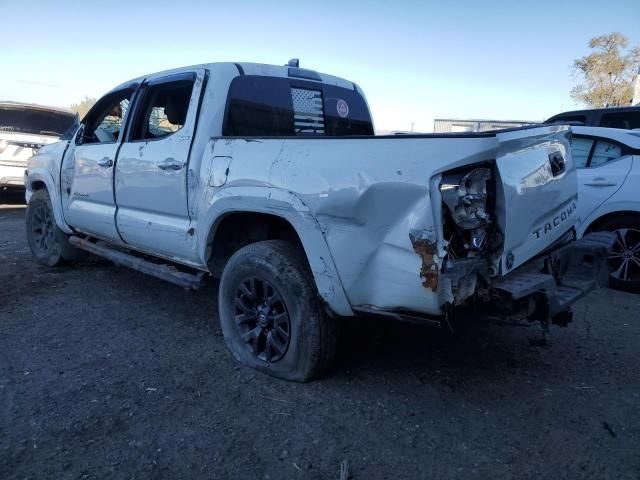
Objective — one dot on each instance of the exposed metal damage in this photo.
(428, 251)
(465, 194)
(473, 240)
(468, 232)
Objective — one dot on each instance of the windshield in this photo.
(22, 119)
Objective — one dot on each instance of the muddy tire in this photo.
(270, 313)
(624, 258)
(49, 245)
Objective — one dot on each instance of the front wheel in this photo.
(624, 258)
(49, 245)
(270, 314)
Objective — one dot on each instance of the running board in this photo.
(165, 272)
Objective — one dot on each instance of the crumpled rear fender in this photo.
(273, 201)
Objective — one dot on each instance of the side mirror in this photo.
(80, 134)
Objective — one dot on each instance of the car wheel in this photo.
(271, 317)
(49, 245)
(624, 258)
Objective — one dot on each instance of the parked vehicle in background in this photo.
(24, 128)
(608, 162)
(270, 177)
(614, 117)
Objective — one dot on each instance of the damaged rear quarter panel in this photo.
(368, 196)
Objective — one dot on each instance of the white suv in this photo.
(24, 128)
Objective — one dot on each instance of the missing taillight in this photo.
(465, 195)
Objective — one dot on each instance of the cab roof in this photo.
(247, 68)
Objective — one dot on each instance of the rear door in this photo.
(88, 200)
(151, 173)
(539, 187)
(603, 167)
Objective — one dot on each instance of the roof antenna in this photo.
(294, 62)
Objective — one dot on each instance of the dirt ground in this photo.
(107, 373)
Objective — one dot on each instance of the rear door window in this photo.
(580, 150)
(163, 110)
(273, 106)
(604, 152)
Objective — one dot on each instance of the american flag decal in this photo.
(308, 111)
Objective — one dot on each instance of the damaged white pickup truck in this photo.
(270, 178)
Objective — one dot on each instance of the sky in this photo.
(415, 60)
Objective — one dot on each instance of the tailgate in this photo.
(537, 191)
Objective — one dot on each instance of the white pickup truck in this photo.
(270, 178)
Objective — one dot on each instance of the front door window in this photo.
(105, 121)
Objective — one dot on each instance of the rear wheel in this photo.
(624, 258)
(49, 245)
(270, 314)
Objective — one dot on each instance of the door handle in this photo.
(171, 164)
(106, 162)
(601, 182)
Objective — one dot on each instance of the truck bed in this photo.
(377, 199)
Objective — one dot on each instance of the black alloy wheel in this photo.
(262, 319)
(49, 245)
(271, 314)
(42, 229)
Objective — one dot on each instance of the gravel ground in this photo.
(107, 373)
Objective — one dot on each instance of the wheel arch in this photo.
(39, 180)
(238, 216)
(597, 222)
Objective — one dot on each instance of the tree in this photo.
(84, 106)
(608, 72)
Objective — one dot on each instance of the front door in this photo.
(87, 183)
(151, 173)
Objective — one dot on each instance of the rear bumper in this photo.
(545, 288)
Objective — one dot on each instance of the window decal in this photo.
(308, 111)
